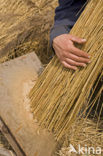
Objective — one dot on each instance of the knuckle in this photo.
(77, 58)
(76, 64)
(64, 64)
(64, 54)
(69, 46)
(83, 53)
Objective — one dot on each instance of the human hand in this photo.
(70, 56)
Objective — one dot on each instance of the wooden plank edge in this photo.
(11, 139)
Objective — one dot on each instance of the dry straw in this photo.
(24, 28)
(60, 93)
(84, 133)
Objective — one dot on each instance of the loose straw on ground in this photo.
(60, 93)
(85, 134)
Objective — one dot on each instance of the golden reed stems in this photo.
(60, 93)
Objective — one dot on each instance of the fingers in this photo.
(79, 52)
(77, 39)
(77, 58)
(74, 63)
(70, 60)
(65, 64)
(69, 55)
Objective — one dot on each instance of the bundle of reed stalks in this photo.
(60, 93)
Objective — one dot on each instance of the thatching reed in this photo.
(86, 132)
(59, 93)
(24, 27)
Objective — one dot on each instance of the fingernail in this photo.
(84, 40)
(88, 56)
(89, 61)
(75, 68)
(84, 65)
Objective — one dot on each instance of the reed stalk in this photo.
(60, 93)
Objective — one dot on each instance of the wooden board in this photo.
(17, 77)
(4, 129)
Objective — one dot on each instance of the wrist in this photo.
(57, 31)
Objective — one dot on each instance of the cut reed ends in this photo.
(60, 93)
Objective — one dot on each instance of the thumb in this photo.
(78, 40)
